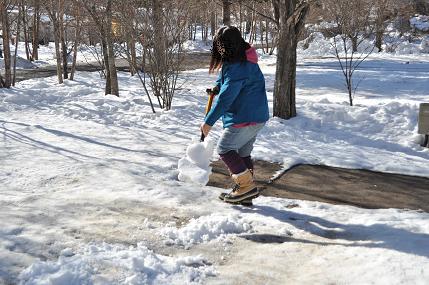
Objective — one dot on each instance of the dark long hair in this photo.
(228, 46)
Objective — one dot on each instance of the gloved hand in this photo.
(214, 90)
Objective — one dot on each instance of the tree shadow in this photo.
(371, 236)
(19, 251)
(374, 72)
(11, 134)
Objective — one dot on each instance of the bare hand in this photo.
(205, 129)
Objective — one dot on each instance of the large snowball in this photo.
(195, 166)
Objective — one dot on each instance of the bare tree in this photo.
(101, 14)
(226, 4)
(110, 52)
(35, 31)
(63, 45)
(384, 9)
(77, 27)
(162, 34)
(421, 6)
(55, 11)
(352, 21)
(23, 11)
(213, 18)
(18, 27)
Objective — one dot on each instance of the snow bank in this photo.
(206, 228)
(317, 45)
(21, 63)
(195, 166)
(420, 22)
(135, 265)
(335, 134)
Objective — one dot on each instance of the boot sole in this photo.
(245, 197)
(246, 202)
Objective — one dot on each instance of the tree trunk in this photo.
(133, 54)
(267, 43)
(213, 21)
(63, 45)
(379, 25)
(57, 49)
(240, 17)
(350, 90)
(76, 42)
(62, 39)
(6, 44)
(128, 55)
(252, 27)
(226, 4)
(111, 54)
(55, 10)
(25, 31)
(291, 22)
(18, 27)
(36, 23)
(379, 40)
(354, 43)
(108, 87)
(159, 43)
(248, 24)
(284, 87)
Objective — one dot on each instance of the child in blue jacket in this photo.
(242, 104)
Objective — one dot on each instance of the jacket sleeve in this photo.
(229, 90)
(219, 81)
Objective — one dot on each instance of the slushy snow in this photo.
(206, 228)
(133, 265)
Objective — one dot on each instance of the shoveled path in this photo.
(361, 188)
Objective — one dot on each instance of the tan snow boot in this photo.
(246, 188)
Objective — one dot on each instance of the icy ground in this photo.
(89, 191)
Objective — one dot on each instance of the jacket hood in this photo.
(251, 55)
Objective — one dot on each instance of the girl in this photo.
(242, 104)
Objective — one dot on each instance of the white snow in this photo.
(89, 191)
(420, 22)
(86, 54)
(395, 42)
(195, 166)
(206, 228)
(134, 265)
(198, 45)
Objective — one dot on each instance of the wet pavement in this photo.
(356, 187)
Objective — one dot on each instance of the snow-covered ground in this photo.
(47, 56)
(89, 191)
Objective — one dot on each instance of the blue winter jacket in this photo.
(242, 97)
